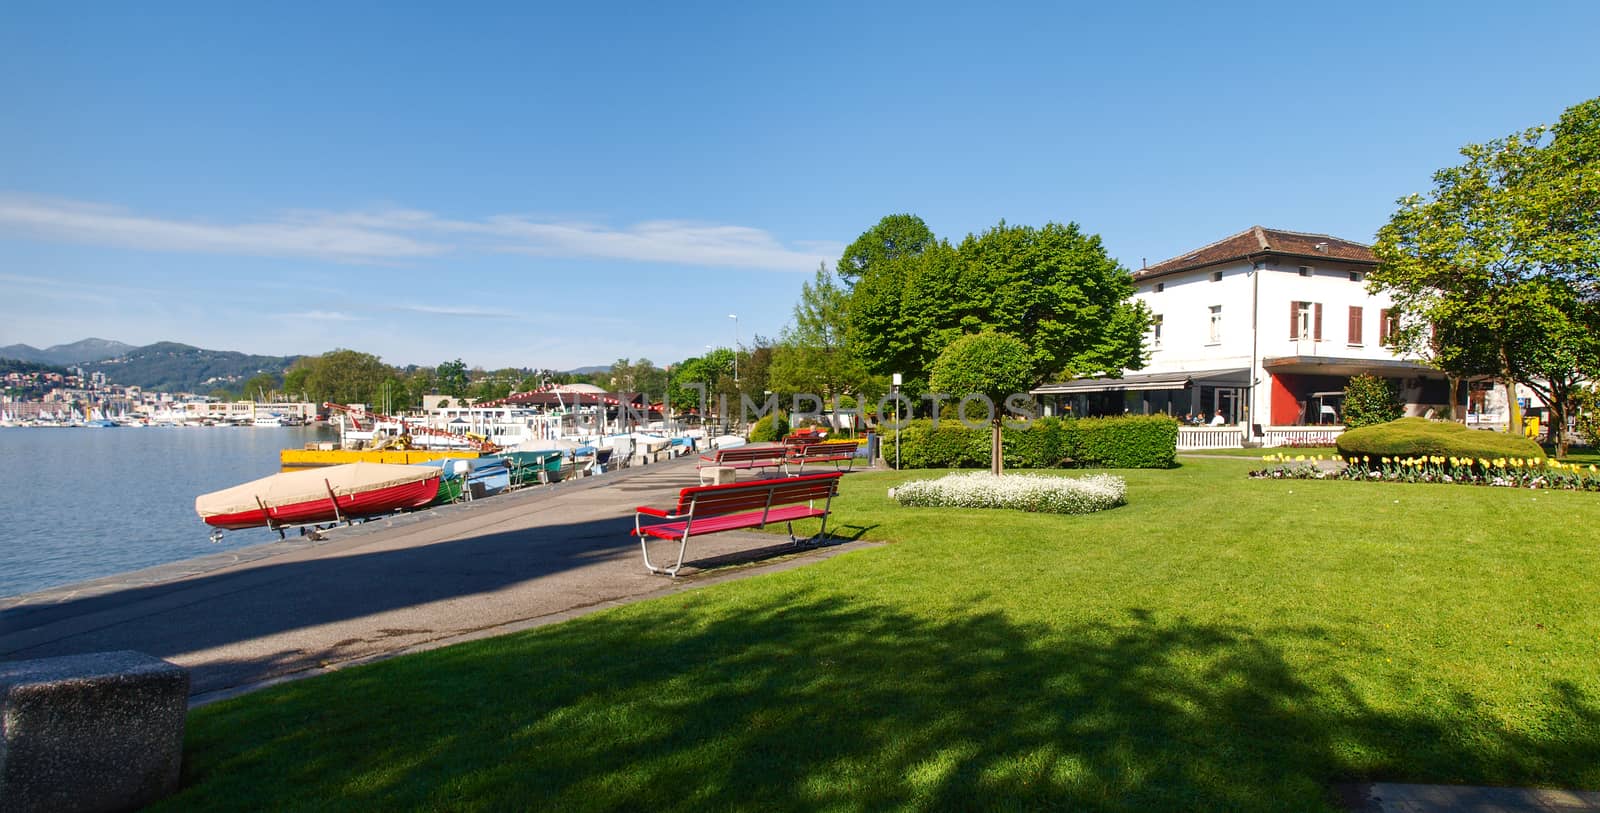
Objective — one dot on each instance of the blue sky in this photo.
(541, 185)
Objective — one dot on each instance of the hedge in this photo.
(1419, 437)
(769, 428)
(1134, 442)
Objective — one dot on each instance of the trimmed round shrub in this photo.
(1022, 492)
(770, 428)
(1419, 437)
(1369, 401)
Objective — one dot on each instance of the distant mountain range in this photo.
(168, 366)
(178, 367)
(64, 354)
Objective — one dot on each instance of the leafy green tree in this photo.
(345, 376)
(1055, 288)
(894, 237)
(714, 370)
(260, 387)
(419, 382)
(1370, 400)
(990, 364)
(1499, 261)
(452, 378)
(294, 381)
(815, 355)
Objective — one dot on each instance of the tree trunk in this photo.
(995, 457)
(1513, 412)
(1450, 403)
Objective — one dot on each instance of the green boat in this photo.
(533, 468)
(449, 490)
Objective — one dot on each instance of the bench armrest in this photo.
(652, 512)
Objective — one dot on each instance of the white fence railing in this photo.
(1274, 436)
(1210, 437)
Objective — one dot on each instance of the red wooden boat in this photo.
(327, 494)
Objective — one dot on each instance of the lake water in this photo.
(77, 504)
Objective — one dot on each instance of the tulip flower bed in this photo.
(1023, 492)
(1513, 472)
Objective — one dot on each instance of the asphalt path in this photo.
(247, 618)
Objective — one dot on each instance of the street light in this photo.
(735, 318)
(895, 387)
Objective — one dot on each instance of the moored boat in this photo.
(313, 496)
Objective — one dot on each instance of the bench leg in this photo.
(683, 545)
(822, 533)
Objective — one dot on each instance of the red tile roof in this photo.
(1257, 241)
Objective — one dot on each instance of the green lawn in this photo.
(1217, 643)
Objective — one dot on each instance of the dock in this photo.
(251, 617)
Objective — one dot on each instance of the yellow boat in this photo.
(305, 458)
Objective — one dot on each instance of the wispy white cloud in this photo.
(295, 235)
(402, 234)
(324, 316)
(661, 241)
(451, 310)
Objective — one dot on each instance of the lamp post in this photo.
(895, 388)
(735, 318)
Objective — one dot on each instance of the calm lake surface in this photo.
(77, 504)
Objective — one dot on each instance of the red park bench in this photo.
(703, 510)
(765, 456)
(841, 453)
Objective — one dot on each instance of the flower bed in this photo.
(1023, 492)
(1506, 472)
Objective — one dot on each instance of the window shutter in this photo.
(1294, 320)
(1316, 322)
(1355, 324)
(1383, 326)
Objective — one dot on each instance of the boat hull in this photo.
(325, 495)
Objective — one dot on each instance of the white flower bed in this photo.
(1024, 492)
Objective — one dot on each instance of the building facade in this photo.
(1264, 328)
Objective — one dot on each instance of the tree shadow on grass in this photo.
(802, 701)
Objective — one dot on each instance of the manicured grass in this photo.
(1216, 643)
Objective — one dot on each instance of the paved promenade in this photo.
(287, 609)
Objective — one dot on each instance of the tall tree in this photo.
(1055, 288)
(1503, 255)
(893, 238)
(814, 355)
(344, 376)
(452, 378)
(260, 387)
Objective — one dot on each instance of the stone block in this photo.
(102, 731)
(718, 475)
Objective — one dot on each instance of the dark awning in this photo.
(1150, 381)
(1333, 365)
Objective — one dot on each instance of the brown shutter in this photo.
(1383, 326)
(1294, 320)
(1355, 324)
(1316, 322)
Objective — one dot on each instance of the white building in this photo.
(1265, 327)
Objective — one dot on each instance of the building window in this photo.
(1216, 324)
(1305, 270)
(1216, 276)
(1155, 329)
(1355, 276)
(1355, 324)
(1161, 286)
(1305, 321)
(1388, 325)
